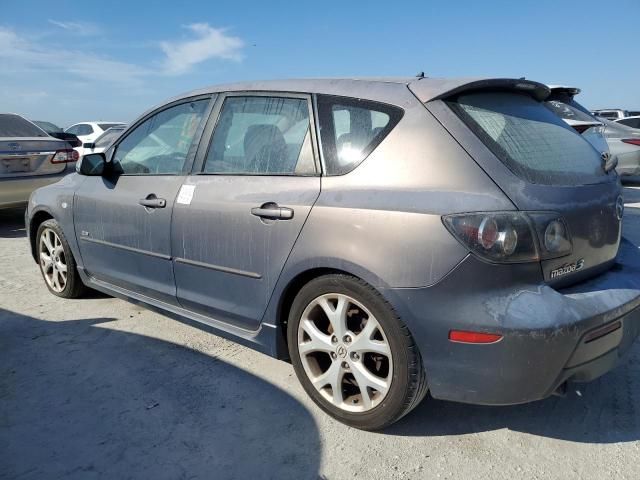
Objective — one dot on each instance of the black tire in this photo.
(408, 381)
(73, 287)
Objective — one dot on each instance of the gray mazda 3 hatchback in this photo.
(389, 237)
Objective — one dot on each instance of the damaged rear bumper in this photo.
(550, 336)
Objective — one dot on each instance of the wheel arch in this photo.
(37, 219)
(286, 298)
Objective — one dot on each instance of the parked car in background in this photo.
(611, 114)
(633, 122)
(90, 131)
(103, 141)
(29, 158)
(562, 102)
(461, 243)
(624, 144)
(57, 132)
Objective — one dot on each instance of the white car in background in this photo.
(90, 131)
(103, 141)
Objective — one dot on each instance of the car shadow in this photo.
(12, 223)
(82, 400)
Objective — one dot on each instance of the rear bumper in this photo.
(14, 192)
(549, 336)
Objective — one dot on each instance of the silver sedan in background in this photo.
(29, 158)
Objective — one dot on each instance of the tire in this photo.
(56, 248)
(381, 354)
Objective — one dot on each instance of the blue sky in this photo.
(69, 61)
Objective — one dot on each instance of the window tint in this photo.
(160, 144)
(567, 111)
(532, 141)
(16, 126)
(351, 129)
(261, 136)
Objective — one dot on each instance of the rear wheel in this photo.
(57, 265)
(352, 354)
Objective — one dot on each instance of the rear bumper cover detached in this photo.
(549, 336)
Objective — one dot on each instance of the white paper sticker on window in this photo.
(186, 194)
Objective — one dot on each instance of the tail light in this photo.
(65, 156)
(511, 237)
(632, 141)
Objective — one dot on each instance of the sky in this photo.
(71, 61)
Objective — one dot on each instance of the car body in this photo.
(90, 131)
(478, 228)
(611, 113)
(624, 144)
(29, 159)
(103, 142)
(633, 122)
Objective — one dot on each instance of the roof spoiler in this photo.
(437, 89)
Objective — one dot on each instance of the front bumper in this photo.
(549, 336)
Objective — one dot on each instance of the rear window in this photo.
(567, 111)
(108, 137)
(15, 126)
(533, 142)
(351, 129)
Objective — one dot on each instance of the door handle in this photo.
(153, 202)
(272, 211)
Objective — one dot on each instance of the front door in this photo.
(123, 219)
(238, 216)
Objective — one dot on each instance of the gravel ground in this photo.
(100, 388)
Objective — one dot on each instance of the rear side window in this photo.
(351, 129)
(15, 126)
(533, 142)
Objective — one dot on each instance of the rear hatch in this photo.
(543, 165)
(26, 150)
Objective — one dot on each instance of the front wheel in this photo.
(57, 265)
(352, 354)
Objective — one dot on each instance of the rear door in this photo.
(543, 165)
(123, 219)
(239, 214)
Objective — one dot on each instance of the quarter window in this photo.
(351, 129)
(160, 144)
(262, 136)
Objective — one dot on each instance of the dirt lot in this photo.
(100, 388)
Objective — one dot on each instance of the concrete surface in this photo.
(100, 388)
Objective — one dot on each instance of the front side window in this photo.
(160, 144)
(262, 136)
(351, 129)
(533, 142)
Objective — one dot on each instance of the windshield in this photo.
(529, 139)
(108, 137)
(107, 126)
(14, 126)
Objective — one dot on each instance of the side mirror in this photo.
(92, 165)
(89, 145)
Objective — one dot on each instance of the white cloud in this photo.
(208, 43)
(20, 55)
(77, 28)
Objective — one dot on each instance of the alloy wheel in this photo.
(52, 260)
(345, 353)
